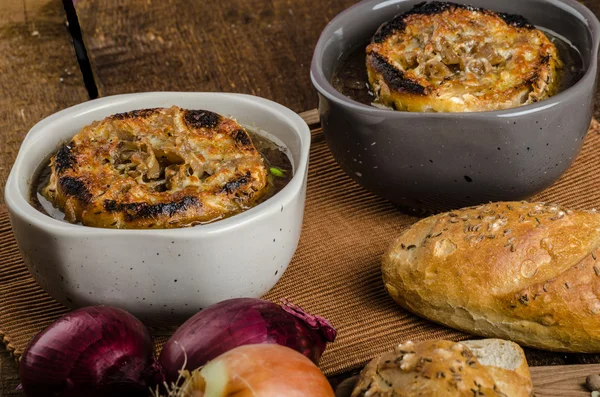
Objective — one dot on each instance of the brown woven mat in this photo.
(335, 272)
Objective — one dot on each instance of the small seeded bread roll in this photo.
(489, 367)
(526, 272)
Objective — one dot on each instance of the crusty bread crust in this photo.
(527, 272)
(446, 57)
(156, 168)
(443, 368)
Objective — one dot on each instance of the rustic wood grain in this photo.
(38, 71)
(252, 46)
(562, 380)
(9, 377)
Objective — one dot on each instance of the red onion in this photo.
(243, 321)
(95, 351)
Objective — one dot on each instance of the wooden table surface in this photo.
(260, 47)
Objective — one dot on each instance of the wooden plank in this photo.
(8, 375)
(39, 74)
(562, 380)
(257, 47)
(311, 117)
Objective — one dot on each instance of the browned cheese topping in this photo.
(445, 57)
(156, 168)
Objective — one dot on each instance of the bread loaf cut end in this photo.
(489, 367)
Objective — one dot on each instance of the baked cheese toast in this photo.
(156, 168)
(446, 57)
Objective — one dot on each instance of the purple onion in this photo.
(95, 351)
(243, 321)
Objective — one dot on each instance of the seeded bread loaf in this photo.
(526, 272)
(489, 367)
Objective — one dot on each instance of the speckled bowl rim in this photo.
(18, 205)
(324, 87)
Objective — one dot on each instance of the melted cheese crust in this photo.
(445, 57)
(156, 168)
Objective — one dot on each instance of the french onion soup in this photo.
(446, 57)
(160, 168)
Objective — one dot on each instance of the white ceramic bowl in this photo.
(161, 276)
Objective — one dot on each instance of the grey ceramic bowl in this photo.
(448, 160)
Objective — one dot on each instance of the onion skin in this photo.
(243, 321)
(94, 351)
(263, 371)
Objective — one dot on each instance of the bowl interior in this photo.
(358, 24)
(265, 116)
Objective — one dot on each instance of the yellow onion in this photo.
(254, 371)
